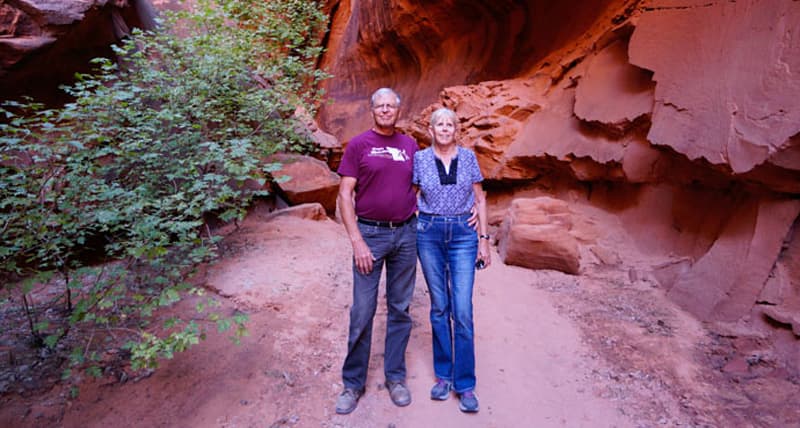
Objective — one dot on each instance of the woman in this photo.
(449, 185)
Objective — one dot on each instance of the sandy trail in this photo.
(532, 368)
(293, 277)
(602, 349)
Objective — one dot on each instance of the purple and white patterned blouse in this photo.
(443, 193)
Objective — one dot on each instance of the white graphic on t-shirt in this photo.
(389, 153)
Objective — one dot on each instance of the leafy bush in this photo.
(154, 143)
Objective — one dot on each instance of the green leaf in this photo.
(223, 325)
(76, 356)
(106, 216)
(94, 371)
(41, 326)
(51, 340)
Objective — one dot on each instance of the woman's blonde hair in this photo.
(444, 112)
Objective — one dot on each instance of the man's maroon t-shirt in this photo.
(382, 166)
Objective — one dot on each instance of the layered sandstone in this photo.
(538, 234)
(681, 118)
(420, 47)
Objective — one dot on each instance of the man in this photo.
(377, 205)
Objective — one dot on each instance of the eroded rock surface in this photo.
(680, 117)
(43, 43)
(419, 47)
(727, 82)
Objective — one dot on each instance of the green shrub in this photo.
(127, 174)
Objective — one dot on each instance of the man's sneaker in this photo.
(347, 401)
(398, 392)
(468, 402)
(441, 390)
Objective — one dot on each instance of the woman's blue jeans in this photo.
(447, 247)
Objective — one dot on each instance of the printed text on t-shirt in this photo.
(389, 153)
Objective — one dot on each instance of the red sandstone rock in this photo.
(612, 92)
(727, 86)
(328, 147)
(737, 365)
(322, 139)
(777, 288)
(641, 163)
(43, 43)
(309, 180)
(781, 294)
(725, 282)
(490, 115)
(785, 315)
(536, 234)
(310, 211)
(419, 47)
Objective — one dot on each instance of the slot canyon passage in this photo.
(642, 167)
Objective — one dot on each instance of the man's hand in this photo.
(362, 256)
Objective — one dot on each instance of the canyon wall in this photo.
(422, 47)
(680, 118)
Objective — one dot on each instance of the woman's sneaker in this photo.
(441, 390)
(468, 402)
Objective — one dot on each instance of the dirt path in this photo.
(531, 366)
(601, 349)
(553, 350)
(293, 277)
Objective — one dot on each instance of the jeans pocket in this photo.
(423, 225)
(465, 228)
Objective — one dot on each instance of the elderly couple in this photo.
(385, 179)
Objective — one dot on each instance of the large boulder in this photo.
(537, 234)
(303, 179)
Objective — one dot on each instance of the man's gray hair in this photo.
(383, 91)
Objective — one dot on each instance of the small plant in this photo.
(107, 196)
